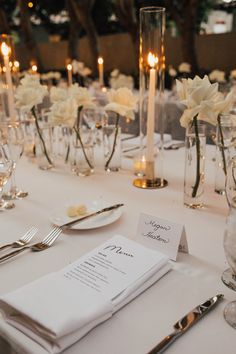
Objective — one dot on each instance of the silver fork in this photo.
(23, 240)
(40, 246)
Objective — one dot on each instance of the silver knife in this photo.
(104, 210)
(185, 323)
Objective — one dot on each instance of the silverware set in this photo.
(49, 239)
(26, 238)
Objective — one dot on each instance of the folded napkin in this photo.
(60, 308)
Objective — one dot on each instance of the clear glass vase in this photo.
(224, 150)
(194, 174)
(43, 147)
(112, 147)
(82, 152)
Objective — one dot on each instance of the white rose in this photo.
(122, 101)
(81, 95)
(28, 97)
(122, 81)
(201, 99)
(172, 72)
(184, 68)
(115, 73)
(217, 75)
(30, 81)
(58, 94)
(233, 74)
(63, 113)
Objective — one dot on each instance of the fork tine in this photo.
(29, 234)
(55, 232)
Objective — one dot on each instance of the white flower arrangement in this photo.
(123, 103)
(80, 68)
(233, 74)
(184, 68)
(172, 71)
(67, 106)
(51, 75)
(203, 102)
(217, 76)
(28, 95)
(118, 80)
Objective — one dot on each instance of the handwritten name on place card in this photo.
(163, 235)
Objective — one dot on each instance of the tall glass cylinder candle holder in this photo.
(7, 58)
(151, 86)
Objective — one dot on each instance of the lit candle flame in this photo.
(16, 64)
(69, 67)
(100, 60)
(5, 49)
(34, 68)
(152, 60)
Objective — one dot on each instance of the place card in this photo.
(163, 235)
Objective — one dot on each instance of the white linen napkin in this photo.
(60, 308)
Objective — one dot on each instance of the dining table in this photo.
(146, 320)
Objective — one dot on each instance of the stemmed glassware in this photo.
(229, 275)
(12, 133)
(6, 168)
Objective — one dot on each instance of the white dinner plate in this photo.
(59, 217)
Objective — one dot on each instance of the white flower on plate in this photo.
(217, 75)
(30, 93)
(122, 81)
(122, 101)
(201, 99)
(172, 71)
(233, 74)
(58, 94)
(82, 96)
(184, 68)
(63, 112)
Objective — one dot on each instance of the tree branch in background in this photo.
(82, 10)
(125, 11)
(4, 25)
(184, 14)
(27, 31)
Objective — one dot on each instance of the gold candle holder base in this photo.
(155, 183)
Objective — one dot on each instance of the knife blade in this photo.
(104, 210)
(186, 322)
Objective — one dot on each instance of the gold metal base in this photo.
(145, 183)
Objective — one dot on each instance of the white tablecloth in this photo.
(146, 320)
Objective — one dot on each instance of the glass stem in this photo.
(13, 180)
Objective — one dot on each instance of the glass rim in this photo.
(157, 9)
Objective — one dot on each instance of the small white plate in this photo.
(59, 217)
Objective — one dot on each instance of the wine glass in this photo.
(13, 135)
(6, 168)
(229, 275)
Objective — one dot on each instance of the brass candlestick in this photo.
(149, 181)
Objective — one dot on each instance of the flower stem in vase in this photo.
(41, 137)
(114, 143)
(222, 144)
(78, 136)
(198, 154)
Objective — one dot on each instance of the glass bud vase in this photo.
(43, 147)
(224, 150)
(194, 174)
